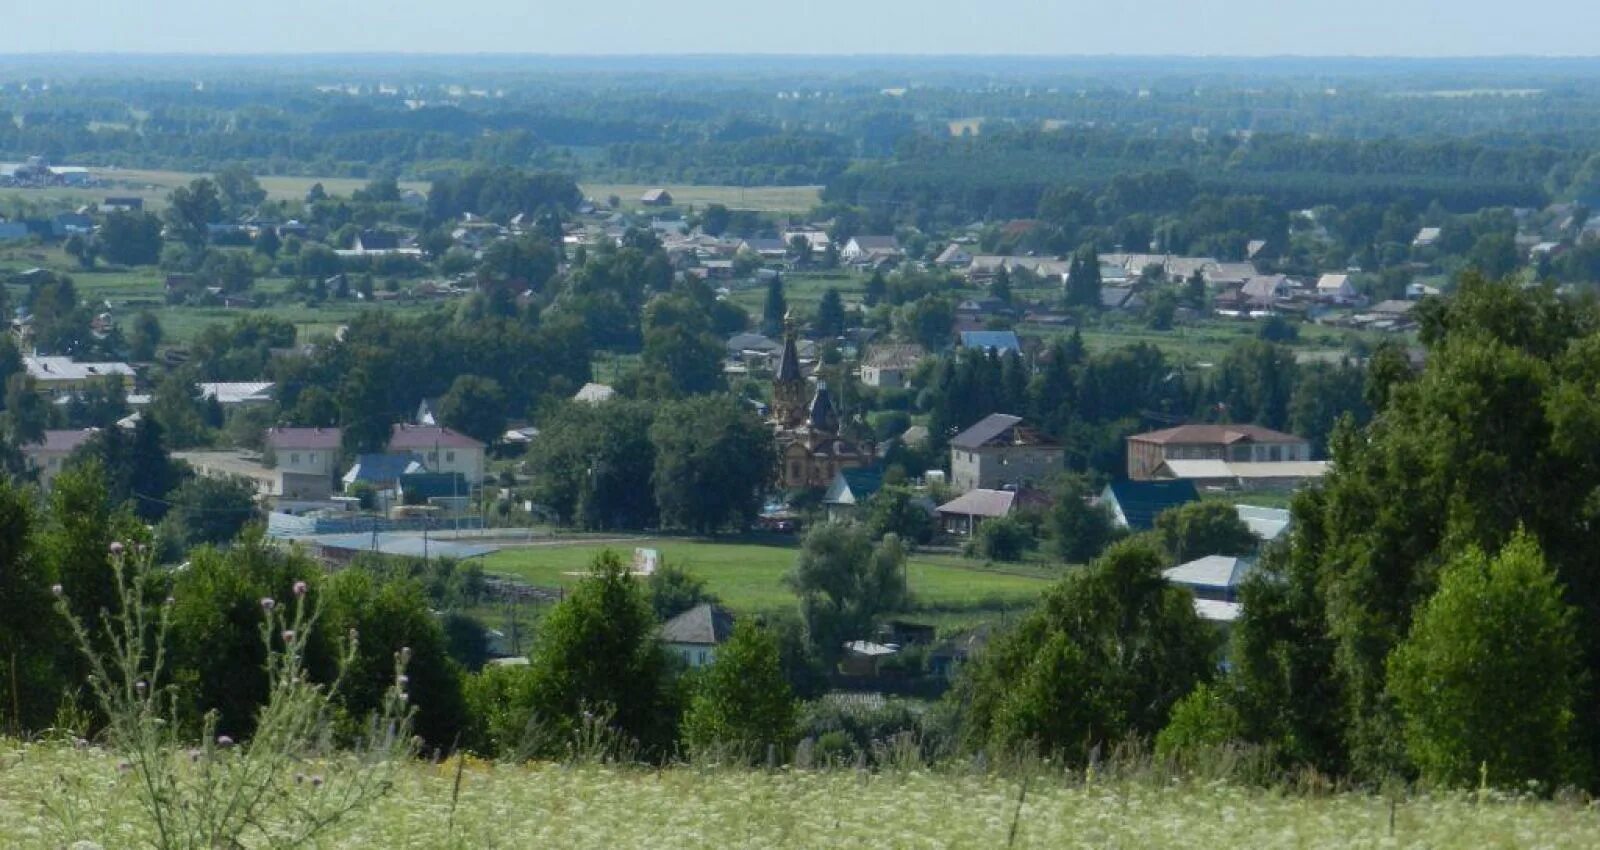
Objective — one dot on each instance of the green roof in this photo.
(1140, 502)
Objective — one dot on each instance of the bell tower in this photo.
(789, 385)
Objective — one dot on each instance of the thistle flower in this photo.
(116, 547)
(56, 589)
(140, 686)
(316, 782)
(267, 604)
(224, 741)
(405, 654)
(300, 588)
(402, 679)
(288, 635)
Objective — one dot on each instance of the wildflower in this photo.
(267, 604)
(299, 778)
(288, 635)
(300, 588)
(116, 547)
(402, 679)
(403, 696)
(405, 654)
(140, 686)
(224, 741)
(56, 589)
(168, 601)
(316, 782)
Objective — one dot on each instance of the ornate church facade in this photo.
(810, 450)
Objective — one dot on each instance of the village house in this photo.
(695, 634)
(305, 461)
(1214, 580)
(890, 366)
(442, 450)
(1231, 443)
(769, 250)
(447, 492)
(851, 488)
(954, 256)
(817, 239)
(61, 376)
(965, 513)
(1337, 289)
(1000, 451)
(49, 456)
(656, 198)
(381, 473)
(871, 250)
(593, 393)
(999, 342)
(1136, 504)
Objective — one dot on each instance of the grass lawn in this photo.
(749, 577)
(775, 199)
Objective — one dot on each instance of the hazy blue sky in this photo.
(1069, 27)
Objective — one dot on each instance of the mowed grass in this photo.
(484, 805)
(774, 199)
(748, 577)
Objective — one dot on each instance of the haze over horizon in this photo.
(1223, 28)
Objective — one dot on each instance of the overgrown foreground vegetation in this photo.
(545, 805)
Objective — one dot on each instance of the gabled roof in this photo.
(751, 342)
(876, 243)
(821, 416)
(383, 468)
(1214, 434)
(998, 341)
(1138, 503)
(789, 364)
(1214, 572)
(999, 429)
(594, 393)
(435, 485)
(63, 442)
(981, 503)
(1265, 523)
(1265, 286)
(895, 356)
(854, 486)
(703, 625)
(378, 240)
(303, 438)
(423, 437)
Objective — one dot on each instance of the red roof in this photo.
(420, 437)
(303, 438)
(63, 441)
(1216, 434)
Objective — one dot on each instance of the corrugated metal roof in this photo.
(1218, 572)
(984, 503)
(984, 430)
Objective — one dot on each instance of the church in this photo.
(810, 450)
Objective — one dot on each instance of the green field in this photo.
(749, 577)
(773, 199)
(545, 805)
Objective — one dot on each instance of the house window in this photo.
(294, 458)
(1275, 453)
(313, 457)
(450, 457)
(433, 457)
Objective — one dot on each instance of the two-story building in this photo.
(1001, 452)
(441, 450)
(305, 461)
(62, 376)
(49, 456)
(890, 366)
(1229, 443)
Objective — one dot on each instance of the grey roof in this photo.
(821, 415)
(984, 503)
(704, 624)
(1219, 572)
(789, 366)
(986, 429)
(999, 341)
(1265, 523)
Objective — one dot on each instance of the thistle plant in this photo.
(285, 786)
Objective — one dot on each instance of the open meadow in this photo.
(544, 805)
(749, 577)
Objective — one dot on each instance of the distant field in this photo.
(749, 577)
(776, 199)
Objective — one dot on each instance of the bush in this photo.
(1201, 722)
(1002, 539)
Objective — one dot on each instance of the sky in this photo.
(1425, 28)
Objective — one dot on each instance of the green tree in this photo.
(681, 356)
(742, 701)
(1204, 528)
(1104, 656)
(145, 337)
(27, 413)
(774, 309)
(475, 406)
(844, 583)
(1202, 721)
(830, 314)
(597, 652)
(1083, 278)
(1488, 677)
(590, 462)
(1002, 539)
(674, 590)
(131, 238)
(1254, 382)
(1079, 531)
(238, 190)
(177, 407)
(877, 289)
(898, 510)
(190, 208)
(713, 463)
(31, 635)
(212, 510)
